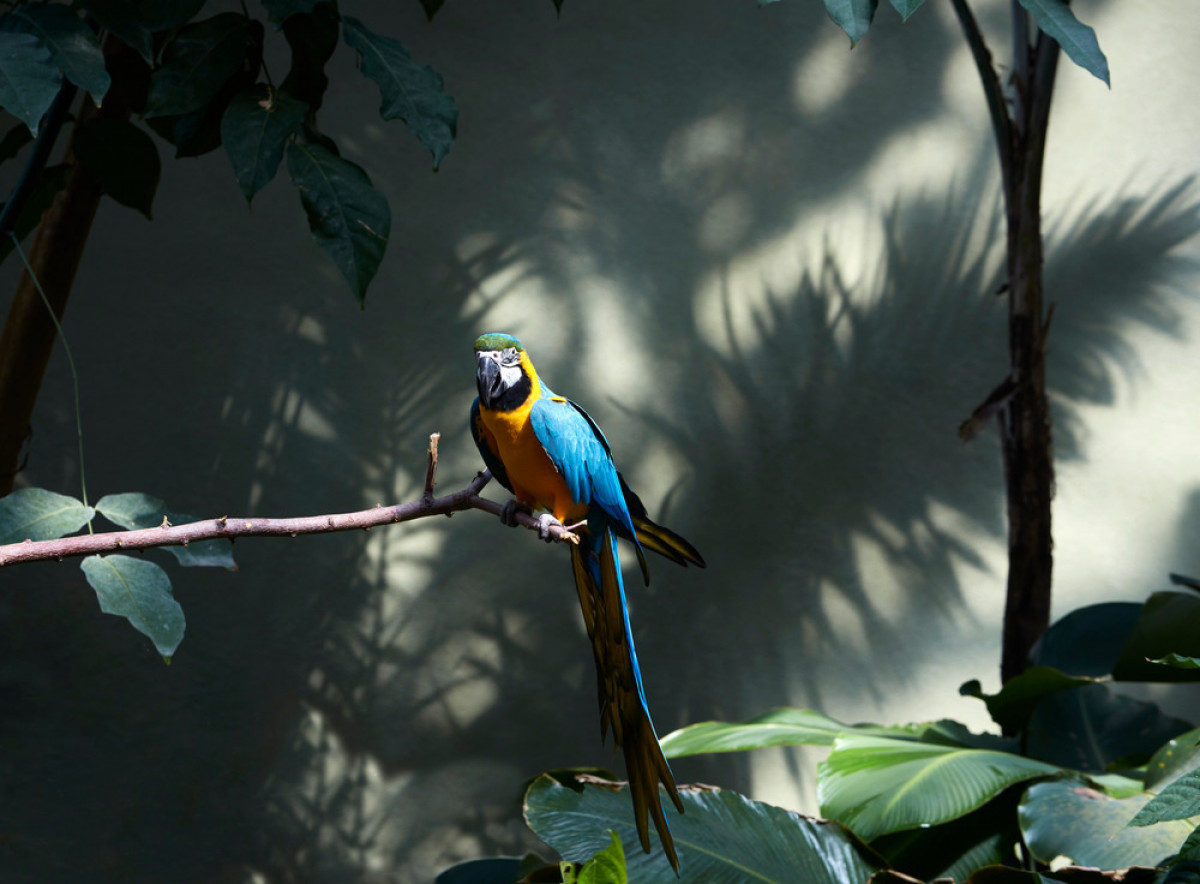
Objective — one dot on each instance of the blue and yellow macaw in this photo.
(552, 456)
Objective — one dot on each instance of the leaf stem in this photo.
(70, 362)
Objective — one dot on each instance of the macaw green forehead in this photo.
(495, 341)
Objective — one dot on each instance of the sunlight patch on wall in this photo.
(823, 76)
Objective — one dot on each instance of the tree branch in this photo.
(233, 527)
(1001, 122)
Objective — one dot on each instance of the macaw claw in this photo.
(508, 512)
(545, 523)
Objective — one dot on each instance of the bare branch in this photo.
(432, 468)
(1001, 122)
(231, 527)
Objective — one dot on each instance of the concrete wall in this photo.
(764, 264)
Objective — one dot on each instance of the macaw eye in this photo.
(508, 356)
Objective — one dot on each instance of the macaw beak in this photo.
(487, 377)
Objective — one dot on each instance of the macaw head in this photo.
(503, 372)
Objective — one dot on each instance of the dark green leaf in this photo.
(134, 510)
(139, 591)
(74, 49)
(124, 20)
(1184, 580)
(1178, 661)
(779, 727)
(431, 7)
(29, 80)
(958, 848)
(1069, 818)
(493, 870)
(166, 15)
(852, 16)
(281, 10)
(1190, 851)
(255, 129)
(1077, 39)
(38, 514)
(1178, 801)
(198, 62)
(877, 785)
(350, 218)
(410, 92)
(52, 180)
(123, 160)
(1012, 706)
(312, 39)
(722, 838)
(14, 139)
(1092, 727)
(906, 7)
(1180, 755)
(1169, 624)
(1088, 640)
(607, 866)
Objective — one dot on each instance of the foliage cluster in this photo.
(1088, 785)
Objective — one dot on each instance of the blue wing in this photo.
(485, 443)
(581, 455)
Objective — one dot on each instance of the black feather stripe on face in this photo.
(501, 387)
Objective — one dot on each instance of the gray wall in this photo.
(762, 262)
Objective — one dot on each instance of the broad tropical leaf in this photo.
(1069, 818)
(255, 129)
(134, 510)
(1093, 727)
(906, 7)
(1088, 640)
(1178, 801)
(875, 785)
(123, 159)
(350, 218)
(29, 80)
(38, 514)
(1169, 624)
(1077, 39)
(74, 49)
(1178, 756)
(1012, 706)
(722, 838)
(198, 62)
(125, 20)
(139, 591)
(779, 727)
(410, 92)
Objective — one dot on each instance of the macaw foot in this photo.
(508, 512)
(545, 523)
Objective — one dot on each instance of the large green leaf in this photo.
(123, 160)
(1012, 706)
(1178, 801)
(139, 591)
(74, 49)
(721, 837)
(877, 785)
(852, 16)
(1093, 727)
(38, 514)
(1088, 640)
(779, 727)
(607, 866)
(410, 92)
(1178, 756)
(958, 848)
(1077, 39)
(134, 510)
(255, 129)
(123, 19)
(1069, 818)
(29, 80)
(198, 62)
(1169, 624)
(349, 218)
